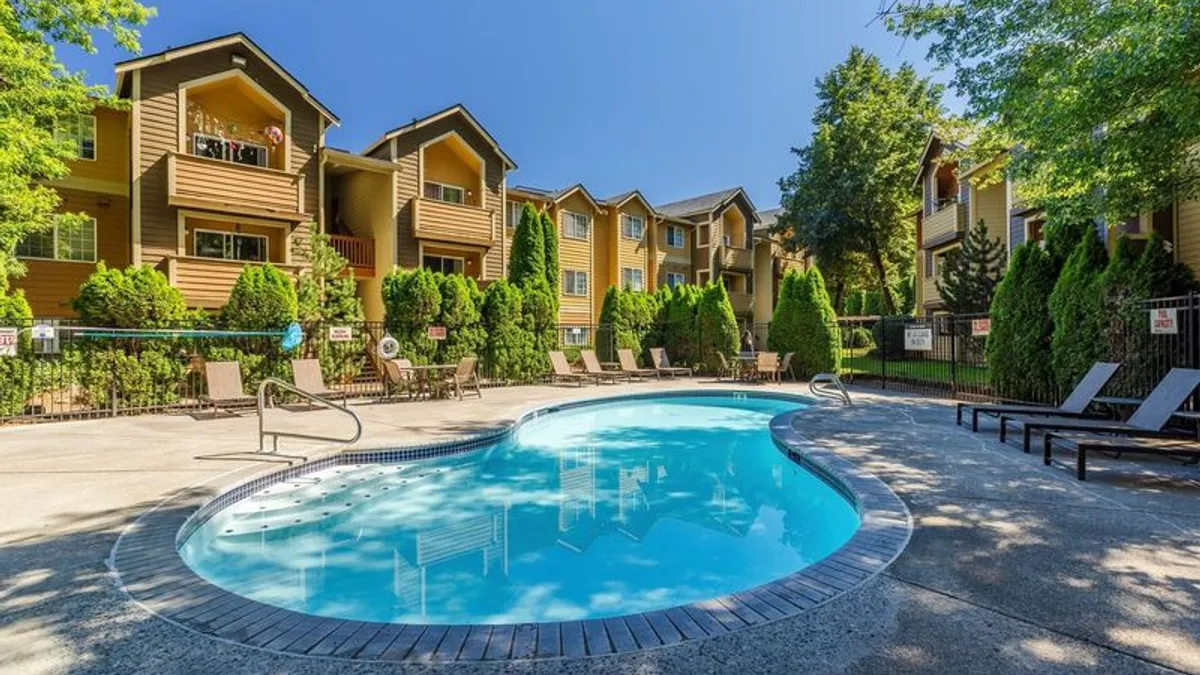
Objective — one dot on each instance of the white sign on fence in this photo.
(341, 333)
(8, 341)
(1164, 321)
(980, 327)
(42, 332)
(918, 339)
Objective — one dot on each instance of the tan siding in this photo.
(207, 282)
(602, 259)
(366, 209)
(112, 149)
(1187, 245)
(576, 254)
(989, 204)
(632, 253)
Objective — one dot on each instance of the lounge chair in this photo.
(1081, 443)
(306, 375)
(724, 369)
(1081, 397)
(591, 366)
(1148, 420)
(663, 364)
(224, 380)
(785, 366)
(398, 375)
(561, 370)
(766, 366)
(629, 365)
(464, 377)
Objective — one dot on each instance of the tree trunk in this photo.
(877, 262)
(839, 293)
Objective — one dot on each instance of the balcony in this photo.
(359, 253)
(737, 258)
(453, 223)
(206, 282)
(742, 303)
(944, 226)
(239, 189)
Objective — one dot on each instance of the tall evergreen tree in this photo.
(819, 344)
(550, 256)
(784, 335)
(967, 281)
(716, 326)
(1077, 312)
(1018, 346)
(527, 260)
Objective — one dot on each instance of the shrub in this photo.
(459, 313)
(819, 341)
(550, 257)
(906, 294)
(325, 297)
(147, 378)
(509, 350)
(412, 302)
(263, 298)
(540, 310)
(527, 259)
(784, 335)
(1018, 346)
(631, 317)
(854, 302)
(716, 326)
(873, 304)
(136, 297)
(16, 372)
(1076, 310)
(679, 324)
(859, 337)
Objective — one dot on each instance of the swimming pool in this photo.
(599, 510)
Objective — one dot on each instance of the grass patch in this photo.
(928, 370)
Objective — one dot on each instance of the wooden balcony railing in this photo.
(207, 282)
(742, 303)
(359, 253)
(454, 223)
(229, 187)
(733, 257)
(944, 225)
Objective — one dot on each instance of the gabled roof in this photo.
(929, 145)
(456, 109)
(707, 203)
(618, 200)
(562, 194)
(767, 219)
(239, 38)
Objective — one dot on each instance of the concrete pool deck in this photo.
(1013, 567)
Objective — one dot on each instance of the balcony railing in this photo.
(734, 257)
(742, 302)
(207, 282)
(944, 225)
(229, 187)
(454, 223)
(359, 253)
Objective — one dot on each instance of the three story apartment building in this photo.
(220, 161)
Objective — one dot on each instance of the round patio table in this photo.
(425, 375)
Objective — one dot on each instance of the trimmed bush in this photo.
(854, 302)
(859, 338)
(509, 350)
(263, 298)
(1077, 312)
(412, 302)
(819, 340)
(527, 260)
(550, 257)
(873, 304)
(16, 372)
(785, 330)
(716, 327)
(540, 310)
(1018, 346)
(136, 297)
(679, 324)
(631, 317)
(459, 313)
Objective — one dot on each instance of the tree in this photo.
(854, 302)
(716, 326)
(135, 297)
(1101, 95)
(37, 94)
(263, 298)
(784, 335)
(509, 349)
(971, 272)
(550, 256)
(679, 329)
(853, 188)
(527, 260)
(1077, 312)
(412, 302)
(818, 340)
(1018, 345)
(873, 304)
(459, 313)
(906, 294)
(323, 292)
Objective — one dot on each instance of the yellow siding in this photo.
(112, 150)
(1187, 243)
(366, 209)
(602, 259)
(443, 165)
(206, 282)
(631, 253)
(576, 254)
(989, 204)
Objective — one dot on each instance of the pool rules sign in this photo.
(918, 339)
(1164, 321)
(8, 341)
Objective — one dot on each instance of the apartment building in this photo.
(220, 161)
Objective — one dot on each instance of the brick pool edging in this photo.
(149, 569)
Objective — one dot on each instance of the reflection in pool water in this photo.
(604, 510)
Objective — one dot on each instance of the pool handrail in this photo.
(275, 435)
(835, 389)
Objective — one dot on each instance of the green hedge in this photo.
(1018, 345)
(412, 302)
(818, 344)
(716, 327)
(1077, 310)
(509, 350)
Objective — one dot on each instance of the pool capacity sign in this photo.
(1164, 321)
(8, 341)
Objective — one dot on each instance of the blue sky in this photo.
(673, 97)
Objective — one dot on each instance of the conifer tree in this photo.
(527, 259)
(971, 272)
(1018, 346)
(1077, 312)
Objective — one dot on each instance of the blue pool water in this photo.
(603, 510)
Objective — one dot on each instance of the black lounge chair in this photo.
(1148, 420)
(1081, 443)
(1081, 397)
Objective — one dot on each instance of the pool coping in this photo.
(149, 569)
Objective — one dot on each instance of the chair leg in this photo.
(1081, 463)
(1026, 433)
(1047, 447)
(958, 415)
(974, 420)
(1003, 428)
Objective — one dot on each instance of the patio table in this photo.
(424, 375)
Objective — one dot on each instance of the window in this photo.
(76, 243)
(513, 215)
(444, 193)
(674, 279)
(81, 129)
(576, 337)
(229, 150)
(575, 283)
(928, 264)
(230, 246)
(631, 278)
(576, 225)
(632, 227)
(726, 240)
(443, 264)
(674, 236)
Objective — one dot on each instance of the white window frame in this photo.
(637, 272)
(571, 283)
(53, 232)
(677, 277)
(682, 237)
(227, 154)
(462, 260)
(442, 187)
(571, 217)
(627, 219)
(582, 338)
(76, 135)
(513, 214)
(226, 233)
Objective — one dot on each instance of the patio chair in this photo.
(629, 365)
(766, 366)
(224, 380)
(724, 369)
(561, 370)
(662, 364)
(1082, 443)
(591, 366)
(464, 376)
(398, 375)
(785, 366)
(1149, 419)
(306, 375)
(1081, 397)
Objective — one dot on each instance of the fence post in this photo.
(883, 352)
(113, 393)
(953, 358)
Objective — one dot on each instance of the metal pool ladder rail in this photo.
(834, 388)
(280, 384)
